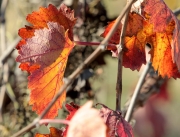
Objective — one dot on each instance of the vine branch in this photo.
(136, 92)
(8, 51)
(150, 86)
(120, 60)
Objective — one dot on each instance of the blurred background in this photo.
(158, 118)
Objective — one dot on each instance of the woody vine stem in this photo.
(120, 60)
(101, 48)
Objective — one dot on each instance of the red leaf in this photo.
(115, 123)
(158, 13)
(72, 108)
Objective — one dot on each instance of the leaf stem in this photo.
(86, 43)
(37, 122)
(109, 46)
(8, 51)
(136, 92)
(58, 121)
(120, 61)
(100, 49)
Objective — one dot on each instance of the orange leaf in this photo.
(43, 52)
(64, 16)
(134, 46)
(135, 55)
(158, 14)
(46, 54)
(161, 29)
(26, 32)
(29, 68)
(54, 132)
(135, 24)
(115, 37)
(161, 55)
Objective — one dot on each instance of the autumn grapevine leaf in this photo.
(135, 24)
(116, 125)
(43, 52)
(166, 37)
(157, 26)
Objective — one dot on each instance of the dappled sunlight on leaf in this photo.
(167, 29)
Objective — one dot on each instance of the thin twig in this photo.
(136, 92)
(5, 67)
(176, 12)
(77, 72)
(3, 7)
(92, 43)
(8, 51)
(11, 95)
(37, 122)
(3, 88)
(120, 60)
(151, 86)
(110, 46)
